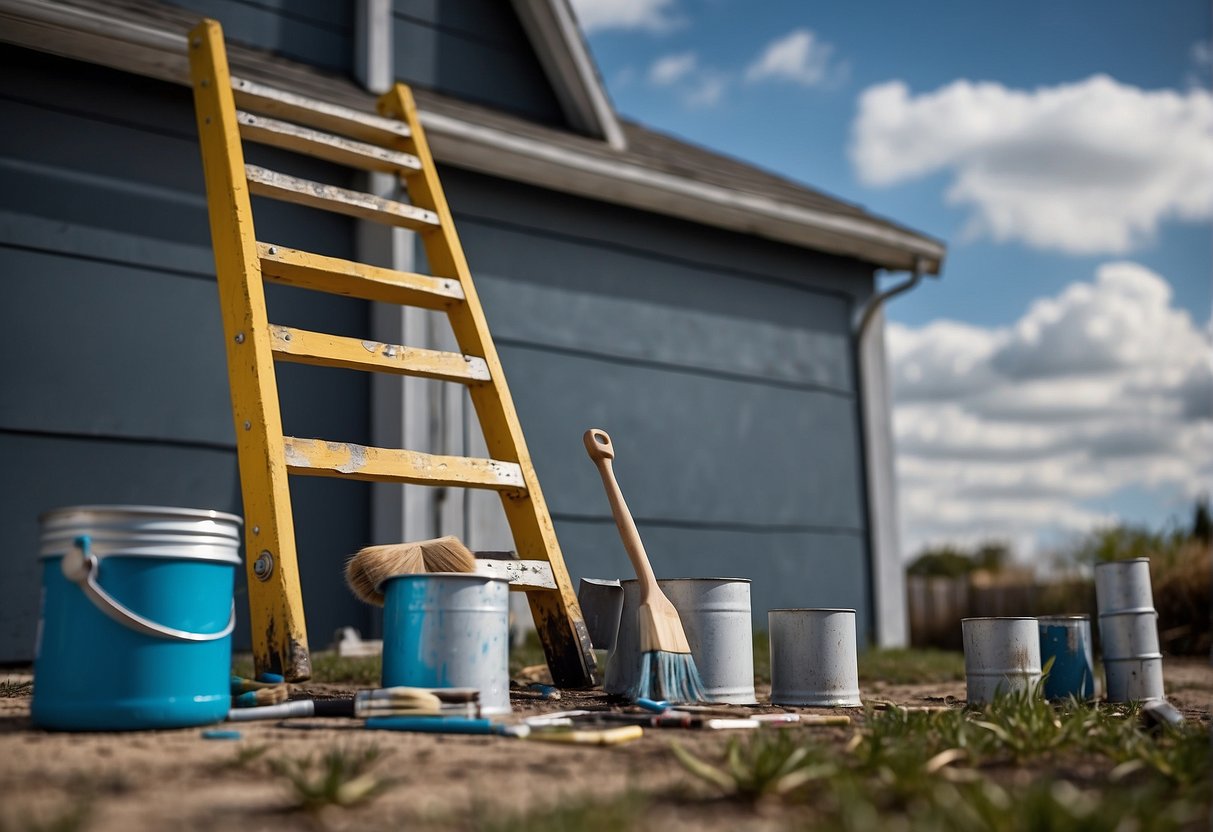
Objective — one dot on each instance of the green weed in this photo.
(340, 777)
(768, 763)
(592, 815)
(15, 689)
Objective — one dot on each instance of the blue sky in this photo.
(1056, 375)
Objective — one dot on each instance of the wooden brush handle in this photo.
(599, 446)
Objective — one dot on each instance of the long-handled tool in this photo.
(667, 669)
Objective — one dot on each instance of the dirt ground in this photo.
(160, 780)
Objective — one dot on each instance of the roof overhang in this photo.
(88, 35)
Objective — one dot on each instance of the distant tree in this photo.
(992, 556)
(1202, 523)
(942, 561)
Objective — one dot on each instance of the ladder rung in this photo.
(328, 146)
(305, 270)
(368, 127)
(319, 458)
(277, 185)
(323, 350)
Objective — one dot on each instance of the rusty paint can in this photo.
(136, 617)
(1128, 631)
(1066, 641)
(715, 614)
(1002, 655)
(601, 602)
(814, 658)
(448, 630)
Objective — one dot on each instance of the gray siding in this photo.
(111, 356)
(474, 50)
(721, 365)
(315, 32)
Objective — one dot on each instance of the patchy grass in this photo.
(70, 818)
(14, 689)
(342, 777)
(589, 815)
(1019, 764)
(911, 666)
(328, 668)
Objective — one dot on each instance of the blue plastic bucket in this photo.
(449, 630)
(136, 618)
(1066, 639)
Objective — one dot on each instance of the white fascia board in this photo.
(562, 53)
(85, 35)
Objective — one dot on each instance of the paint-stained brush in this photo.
(667, 670)
(263, 696)
(366, 571)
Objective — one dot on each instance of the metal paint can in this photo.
(715, 614)
(1066, 639)
(1128, 631)
(449, 630)
(136, 617)
(1001, 655)
(814, 658)
(601, 602)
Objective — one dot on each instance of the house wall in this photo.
(475, 50)
(112, 369)
(721, 365)
(316, 32)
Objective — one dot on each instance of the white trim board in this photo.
(89, 36)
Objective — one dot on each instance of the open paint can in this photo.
(1001, 655)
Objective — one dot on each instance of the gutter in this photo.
(87, 35)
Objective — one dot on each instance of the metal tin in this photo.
(1128, 630)
(135, 619)
(601, 602)
(814, 658)
(715, 614)
(1001, 655)
(448, 629)
(1066, 639)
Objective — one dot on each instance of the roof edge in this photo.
(562, 52)
(83, 34)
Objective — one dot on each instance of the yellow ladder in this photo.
(394, 142)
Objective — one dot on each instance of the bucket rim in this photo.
(811, 609)
(659, 580)
(465, 575)
(1000, 618)
(152, 511)
(1065, 617)
(1121, 561)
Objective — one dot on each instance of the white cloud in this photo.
(1016, 432)
(648, 15)
(798, 57)
(697, 87)
(672, 68)
(1087, 168)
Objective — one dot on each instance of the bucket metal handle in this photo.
(80, 567)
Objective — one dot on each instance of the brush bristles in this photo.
(669, 676)
(368, 569)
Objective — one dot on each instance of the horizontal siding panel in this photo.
(475, 197)
(787, 569)
(615, 303)
(315, 32)
(691, 448)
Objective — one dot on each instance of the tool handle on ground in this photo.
(601, 451)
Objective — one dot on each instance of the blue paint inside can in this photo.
(1066, 640)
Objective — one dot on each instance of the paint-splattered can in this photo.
(1002, 655)
(448, 630)
(715, 614)
(814, 658)
(1128, 631)
(1066, 641)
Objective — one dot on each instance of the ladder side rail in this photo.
(275, 599)
(557, 614)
